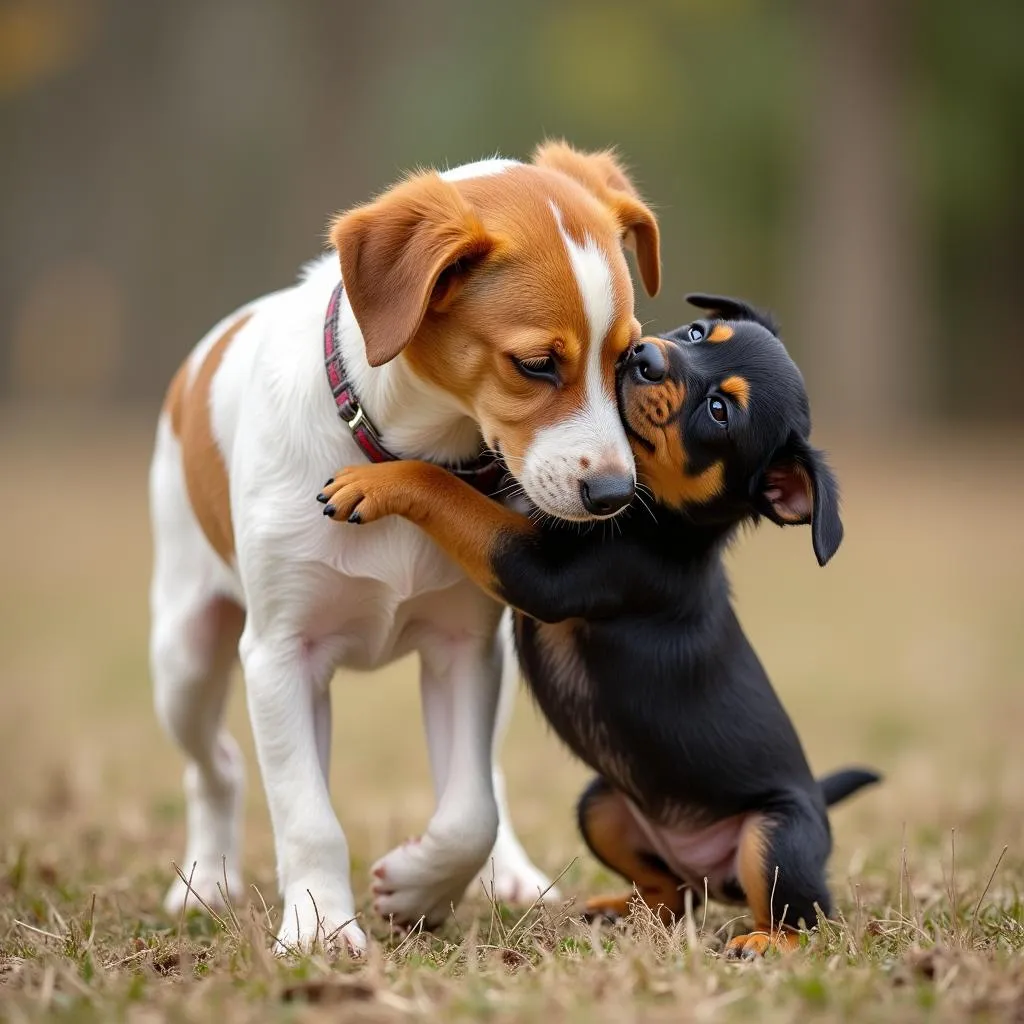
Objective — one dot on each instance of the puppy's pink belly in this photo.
(694, 854)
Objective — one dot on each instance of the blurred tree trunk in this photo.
(859, 287)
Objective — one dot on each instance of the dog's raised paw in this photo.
(420, 880)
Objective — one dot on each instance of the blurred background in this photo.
(855, 165)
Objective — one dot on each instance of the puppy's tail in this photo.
(839, 785)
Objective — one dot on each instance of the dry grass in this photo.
(906, 653)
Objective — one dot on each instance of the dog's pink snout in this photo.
(607, 493)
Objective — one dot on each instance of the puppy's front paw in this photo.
(359, 494)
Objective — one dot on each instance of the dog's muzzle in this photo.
(607, 493)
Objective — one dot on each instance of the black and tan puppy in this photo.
(629, 641)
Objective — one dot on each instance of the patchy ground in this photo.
(906, 653)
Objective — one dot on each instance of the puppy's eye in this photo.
(539, 368)
(695, 333)
(718, 411)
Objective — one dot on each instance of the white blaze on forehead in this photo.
(594, 280)
(591, 441)
(479, 169)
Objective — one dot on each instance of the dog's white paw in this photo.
(509, 877)
(331, 927)
(421, 879)
(206, 886)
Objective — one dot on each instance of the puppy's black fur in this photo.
(629, 642)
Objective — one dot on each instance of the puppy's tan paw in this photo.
(754, 945)
(359, 494)
(608, 908)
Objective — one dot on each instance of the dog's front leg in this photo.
(426, 877)
(284, 681)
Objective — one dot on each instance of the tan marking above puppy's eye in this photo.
(738, 389)
(720, 332)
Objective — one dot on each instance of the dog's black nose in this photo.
(605, 494)
(649, 361)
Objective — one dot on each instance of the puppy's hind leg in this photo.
(780, 865)
(614, 837)
(193, 645)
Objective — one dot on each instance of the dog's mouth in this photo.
(553, 490)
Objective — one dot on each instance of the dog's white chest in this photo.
(384, 581)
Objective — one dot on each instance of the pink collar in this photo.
(484, 473)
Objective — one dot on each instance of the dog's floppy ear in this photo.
(403, 254)
(603, 176)
(732, 309)
(797, 488)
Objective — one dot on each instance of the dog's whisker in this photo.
(643, 502)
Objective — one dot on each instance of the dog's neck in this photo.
(415, 419)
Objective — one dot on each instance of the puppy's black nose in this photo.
(649, 361)
(605, 494)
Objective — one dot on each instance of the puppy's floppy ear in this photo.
(403, 254)
(732, 309)
(603, 176)
(797, 488)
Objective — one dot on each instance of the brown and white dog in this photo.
(465, 294)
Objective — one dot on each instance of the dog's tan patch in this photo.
(661, 403)
(663, 470)
(206, 479)
(720, 333)
(753, 871)
(737, 388)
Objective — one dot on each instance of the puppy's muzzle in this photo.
(647, 363)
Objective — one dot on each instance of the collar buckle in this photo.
(356, 420)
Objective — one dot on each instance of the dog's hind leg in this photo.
(509, 874)
(193, 645)
(780, 866)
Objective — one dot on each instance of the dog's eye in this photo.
(718, 410)
(695, 333)
(538, 368)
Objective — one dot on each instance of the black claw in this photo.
(322, 498)
(355, 517)
(329, 482)
(329, 511)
